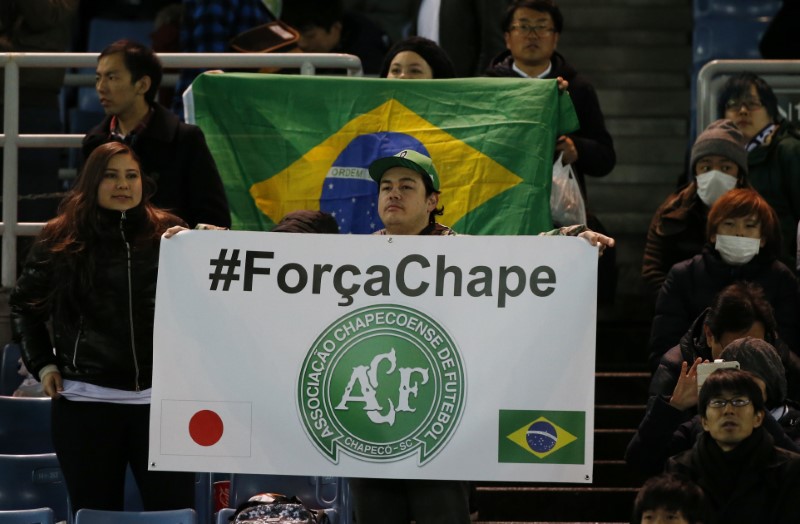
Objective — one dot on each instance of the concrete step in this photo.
(627, 80)
(651, 150)
(618, 416)
(620, 58)
(610, 444)
(624, 127)
(646, 174)
(622, 388)
(633, 37)
(644, 103)
(627, 198)
(612, 17)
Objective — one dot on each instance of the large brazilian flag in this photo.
(287, 142)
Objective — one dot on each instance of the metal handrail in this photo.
(12, 140)
(779, 74)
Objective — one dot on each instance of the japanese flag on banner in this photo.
(206, 428)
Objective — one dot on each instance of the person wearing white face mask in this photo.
(743, 244)
(677, 232)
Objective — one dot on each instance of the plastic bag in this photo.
(566, 201)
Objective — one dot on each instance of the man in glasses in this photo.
(531, 30)
(773, 146)
(744, 476)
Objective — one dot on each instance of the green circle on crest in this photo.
(381, 383)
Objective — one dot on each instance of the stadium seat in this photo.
(27, 516)
(224, 515)
(9, 364)
(31, 482)
(25, 426)
(96, 516)
(328, 493)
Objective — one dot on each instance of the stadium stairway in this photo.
(637, 54)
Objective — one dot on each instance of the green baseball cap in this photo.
(405, 158)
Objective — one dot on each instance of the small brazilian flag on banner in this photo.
(553, 437)
(288, 142)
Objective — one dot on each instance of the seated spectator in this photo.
(326, 28)
(678, 229)
(743, 245)
(307, 221)
(740, 310)
(743, 475)
(669, 498)
(174, 154)
(417, 58)
(668, 427)
(773, 146)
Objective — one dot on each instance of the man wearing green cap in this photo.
(408, 196)
(408, 193)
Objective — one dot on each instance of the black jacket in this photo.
(176, 156)
(107, 339)
(693, 345)
(754, 483)
(596, 156)
(666, 431)
(691, 286)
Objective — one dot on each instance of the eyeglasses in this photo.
(722, 402)
(750, 103)
(527, 30)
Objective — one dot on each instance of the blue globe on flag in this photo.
(541, 436)
(348, 193)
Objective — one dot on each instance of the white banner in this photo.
(375, 356)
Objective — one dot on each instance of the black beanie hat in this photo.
(437, 58)
(761, 359)
(723, 138)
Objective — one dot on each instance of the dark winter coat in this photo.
(692, 285)
(666, 431)
(677, 232)
(754, 483)
(596, 156)
(176, 156)
(693, 345)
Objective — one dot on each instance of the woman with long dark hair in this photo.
(92, 272)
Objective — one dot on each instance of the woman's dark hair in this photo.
(72, 235)
(307, 221)
(745, 202)
(140, 61)
(734, 382)
(435, 56)
(738, 87)
(672, 493)
(543, 6)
